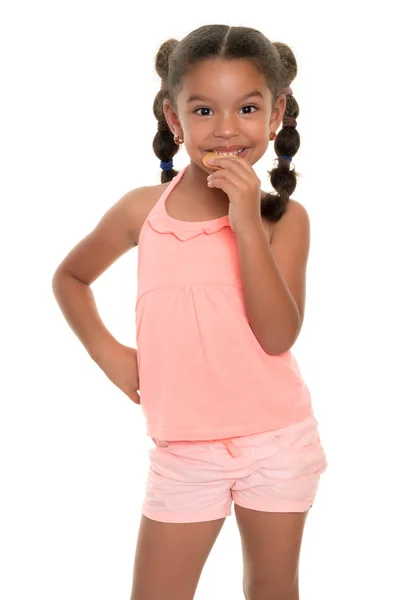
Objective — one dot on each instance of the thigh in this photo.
(286, 470)
(170, 557)
(271, 544)
(184, 485)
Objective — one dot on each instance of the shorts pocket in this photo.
(300, 436)
(191, 451)
(302, 453)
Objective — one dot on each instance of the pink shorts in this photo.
(273, 471)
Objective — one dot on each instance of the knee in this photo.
(264, 590)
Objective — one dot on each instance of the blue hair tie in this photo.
(289, 158)
(166, 165)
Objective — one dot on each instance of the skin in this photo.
(227, 120)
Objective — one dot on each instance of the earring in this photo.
(177, 139)
(272, 135)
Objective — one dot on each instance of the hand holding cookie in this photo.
(210, 155)
(240, 183)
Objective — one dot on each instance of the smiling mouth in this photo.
(236, 153)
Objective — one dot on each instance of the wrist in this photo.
(103, 348)
(250, 231)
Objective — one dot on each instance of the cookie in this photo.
(209, 155)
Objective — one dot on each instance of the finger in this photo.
(226, 186)
(226, 165)
(229, 177)
(134, 396)
(238, 165)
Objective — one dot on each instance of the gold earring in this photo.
(177, 139)
(272, 135)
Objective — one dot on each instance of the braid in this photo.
(287, 142)
(163, 144)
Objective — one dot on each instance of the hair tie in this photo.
(167, 165)
(289, 158)
(289, 122)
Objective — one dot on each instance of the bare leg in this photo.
(271, 544)
(170, 557)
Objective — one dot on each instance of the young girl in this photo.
(221, 296)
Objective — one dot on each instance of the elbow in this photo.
(282, 345)
(277, 351)
(55, 280)
(274, 348)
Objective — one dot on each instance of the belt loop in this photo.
(232, 448)
(160, 443)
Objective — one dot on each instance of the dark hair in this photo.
(275, 59)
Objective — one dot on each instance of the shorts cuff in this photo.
(194, 517)
(277, 506)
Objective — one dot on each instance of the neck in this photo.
(196, 179)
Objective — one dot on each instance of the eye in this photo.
(209, 109)
(202, 108)
(249, 106)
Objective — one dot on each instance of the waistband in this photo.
(267, 436)
(228, 443)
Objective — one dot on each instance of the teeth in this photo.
(230, 153)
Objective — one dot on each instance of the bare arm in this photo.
(111, 238)
(76, 301)
(274, 278)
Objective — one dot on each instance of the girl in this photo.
(221, 296)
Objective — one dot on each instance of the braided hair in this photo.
(275, 59)
(163, 144)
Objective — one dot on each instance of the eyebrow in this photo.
(197, 98)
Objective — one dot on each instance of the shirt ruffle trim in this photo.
(190, 231)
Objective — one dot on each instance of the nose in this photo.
(226, 126)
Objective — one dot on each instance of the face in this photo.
(226, 106)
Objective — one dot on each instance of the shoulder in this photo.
(296, 218)
(115, 233)
(139, 203)
(295, 212)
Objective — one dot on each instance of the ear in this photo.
(172, 118)
(277, 112)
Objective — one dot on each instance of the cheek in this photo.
(259, 130)
(197, 129)
(195, 138)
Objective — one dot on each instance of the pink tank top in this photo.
(203, 374)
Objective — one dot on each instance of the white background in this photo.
(78, 84)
